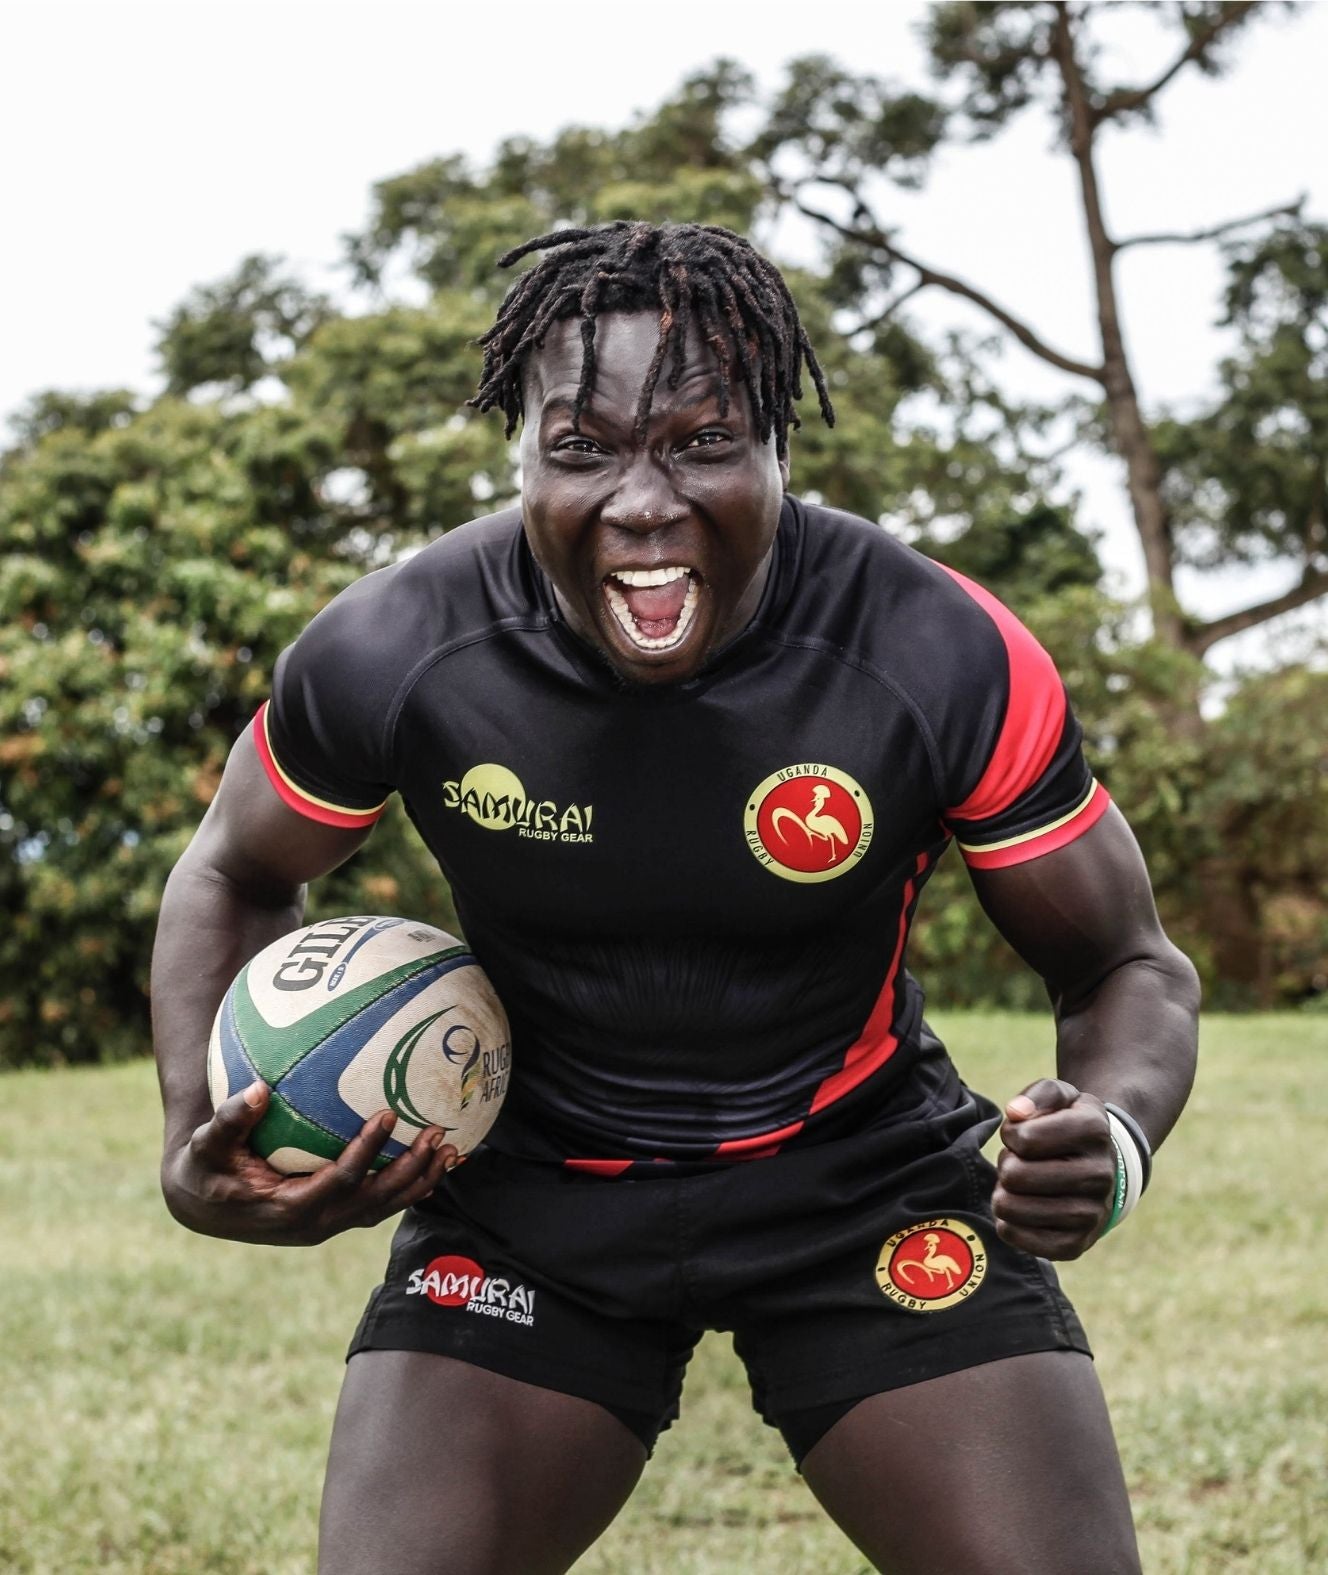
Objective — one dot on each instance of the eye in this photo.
(576, 445)
(708, 438)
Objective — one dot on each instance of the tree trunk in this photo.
(1130, 433)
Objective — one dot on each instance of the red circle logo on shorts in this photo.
(808, 822)
(453, 1281)
(931, 1265)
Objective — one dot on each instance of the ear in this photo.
(784, 470)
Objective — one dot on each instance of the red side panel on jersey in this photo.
(600, 1167)
(300, 799)
(877, 1042)
(866, 1055)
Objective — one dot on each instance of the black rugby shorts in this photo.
(842, 1269)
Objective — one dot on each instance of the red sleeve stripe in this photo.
(1034, 716)
(293, 795)
(1046, 839)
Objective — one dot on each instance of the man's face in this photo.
(657, 549)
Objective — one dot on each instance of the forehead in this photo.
(625, 346)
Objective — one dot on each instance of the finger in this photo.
(416, 1172)
(1048, 1093)
(1082, 1129)
(1074, 1215)
(1060, 1246)
(408, 1180)
(1048, 1178)
(346, 1174)
(232, 1122)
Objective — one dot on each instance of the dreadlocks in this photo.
(693, 274)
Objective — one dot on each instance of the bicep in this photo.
(251, 838)
(1077, 913)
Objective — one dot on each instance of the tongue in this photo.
(656, 608)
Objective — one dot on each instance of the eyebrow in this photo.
(564, 404)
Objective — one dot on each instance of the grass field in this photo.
(167, 1399)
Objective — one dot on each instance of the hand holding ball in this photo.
(351, 1016)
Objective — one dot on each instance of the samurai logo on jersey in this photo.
(460, 1282)
(808, 822)
(493, 797)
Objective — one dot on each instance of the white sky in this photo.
(147, 147)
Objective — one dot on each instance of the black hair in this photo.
(692, 273)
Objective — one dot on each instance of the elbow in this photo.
(1183, 982)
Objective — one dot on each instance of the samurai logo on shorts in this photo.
(936, 1264)
(454, 1281)
(808, 822)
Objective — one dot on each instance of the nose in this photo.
(644, 500)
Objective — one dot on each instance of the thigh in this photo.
(1005, 1469)
(436, 1465)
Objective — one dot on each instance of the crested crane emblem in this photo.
(808, 822)
(931, 1265)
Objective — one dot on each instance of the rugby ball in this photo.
(350, 1017)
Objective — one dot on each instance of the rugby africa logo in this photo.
(808, 822)
(493, 797)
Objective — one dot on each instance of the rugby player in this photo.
(687, 748)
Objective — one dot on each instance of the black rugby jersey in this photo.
(693, 899)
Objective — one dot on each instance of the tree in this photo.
(158, 555)
(832, 138)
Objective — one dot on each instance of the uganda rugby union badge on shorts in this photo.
(935, 1264)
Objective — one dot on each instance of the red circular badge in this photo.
(932, 1265)
(453, 1281)
(808, 822)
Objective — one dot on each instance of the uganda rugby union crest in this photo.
(808, 822)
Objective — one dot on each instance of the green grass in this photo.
(166, 1399)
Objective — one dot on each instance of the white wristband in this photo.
(1130, 1175)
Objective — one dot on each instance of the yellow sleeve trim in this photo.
(1028, 836)
(304, 793)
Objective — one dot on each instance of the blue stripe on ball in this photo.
(310, 1087)
(240, 1070)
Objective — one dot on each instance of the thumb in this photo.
(234, 1119)
(1047, 1094)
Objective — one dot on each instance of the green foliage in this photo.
(1248, 478)
(157, 557)
(233, 333)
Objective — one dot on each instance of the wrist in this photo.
(1134, 1165)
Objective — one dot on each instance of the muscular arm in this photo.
(1126, 1003)
(239, 885)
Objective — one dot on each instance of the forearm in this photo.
(1133, 1039)
(208, 929)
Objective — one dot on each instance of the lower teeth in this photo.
(646, 642)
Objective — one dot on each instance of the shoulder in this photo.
(454, 589)
(891, 607)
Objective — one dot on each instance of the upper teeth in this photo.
(650, 576)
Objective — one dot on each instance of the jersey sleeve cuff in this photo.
(300, 799)
(1044, 839)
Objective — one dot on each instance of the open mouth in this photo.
(654, 607)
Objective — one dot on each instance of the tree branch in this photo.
(1125, 99)
(875, 238)
(1313, 584)
(887, 311)
(1288, 210)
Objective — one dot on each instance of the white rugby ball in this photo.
(350, 1017)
